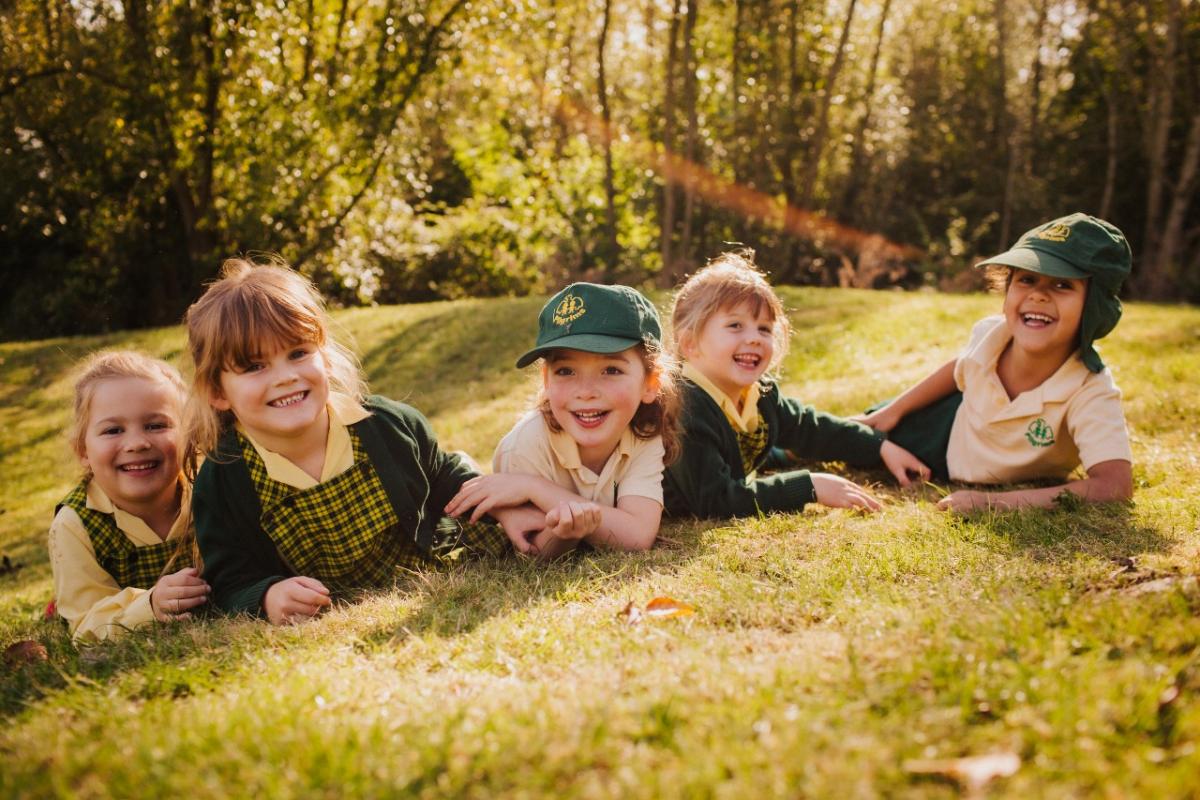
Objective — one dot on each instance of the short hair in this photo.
(726, 282)
(110, 364)
(251, 308)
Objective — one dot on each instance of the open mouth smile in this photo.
(747, 360)
(1035, 320)
(590, 419)
(289, 400)
(139, 466)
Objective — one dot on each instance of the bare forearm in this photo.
(1108, 482)
(632, 528)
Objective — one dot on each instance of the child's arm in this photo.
(86, 596)
(631, 525)
(1107, 482)
(934, 387)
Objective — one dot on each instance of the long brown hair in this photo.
(254, 307)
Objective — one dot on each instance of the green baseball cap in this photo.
(595, 319)
(1078, 246)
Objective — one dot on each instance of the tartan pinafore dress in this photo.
(128, 563)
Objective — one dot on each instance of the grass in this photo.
(827, 647)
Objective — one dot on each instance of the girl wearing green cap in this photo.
(1029, 398)
(591, 453)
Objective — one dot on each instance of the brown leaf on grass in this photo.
(972, 773)
(666, 607)
(24, 652)
(658, 608)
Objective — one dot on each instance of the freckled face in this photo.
(593, 397)
(1043, 313)
(131, 442)
(278, 395)
(734, 348)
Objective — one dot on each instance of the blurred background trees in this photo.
(402, 150)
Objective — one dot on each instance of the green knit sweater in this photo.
(240, 560)
(708, 480)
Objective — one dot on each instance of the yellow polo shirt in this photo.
(339, 450)
(1074, 417)
(86, 596)
(744, 420)
(635, 468)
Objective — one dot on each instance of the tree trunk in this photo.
(1035, 104)
(812, 169)
(1004, 127)
(1111, 146)
(669, 191)
(854, 178)
(691, 138)
(1171, 249)
(609, 250)
(1152, 280)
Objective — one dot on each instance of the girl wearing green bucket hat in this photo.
(1029, 398)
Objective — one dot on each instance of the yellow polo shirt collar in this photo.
(566, 450)
(745, 420)
(339, 451)
(1058, 388)
(134, 527)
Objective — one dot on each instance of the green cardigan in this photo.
(241, 562)
(707, 480)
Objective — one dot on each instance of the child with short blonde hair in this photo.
(308, 486)
(1029, 397)
(591, 454)
(122, 548)
(730, 329)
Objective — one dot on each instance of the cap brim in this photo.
(587, 342)
(1027, 258)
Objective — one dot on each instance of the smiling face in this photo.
(278, 396)
(593, 397)
(131, 443)
(734, 347)
(1043, 313)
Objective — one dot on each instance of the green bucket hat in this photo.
(595, 319)
(1078, 246)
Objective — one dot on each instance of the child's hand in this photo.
(174, 595)
(295, 600)
(900, 462)
(485, 492)
(882, 420)
(547, 546)
(521, 524)
(573, 520)
(965, 501)
(837, 492)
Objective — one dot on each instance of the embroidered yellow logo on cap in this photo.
(570, 309)
(1054, 233)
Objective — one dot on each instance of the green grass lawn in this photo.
(827, 650)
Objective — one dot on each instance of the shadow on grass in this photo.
(445, 362)
(458, 601)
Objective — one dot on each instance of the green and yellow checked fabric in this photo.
(344, 532)
(129, 564)
(751, 446)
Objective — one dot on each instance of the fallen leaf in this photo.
(26, 651)
(666, 607)
(972, 773)
(51, 610)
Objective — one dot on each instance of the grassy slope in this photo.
(827, 648)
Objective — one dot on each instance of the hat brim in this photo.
(1027, 258)
(587, 342)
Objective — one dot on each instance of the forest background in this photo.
(400, 151)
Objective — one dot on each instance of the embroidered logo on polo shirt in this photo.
(1039, 433)
(569, 309)
(1054, 233)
